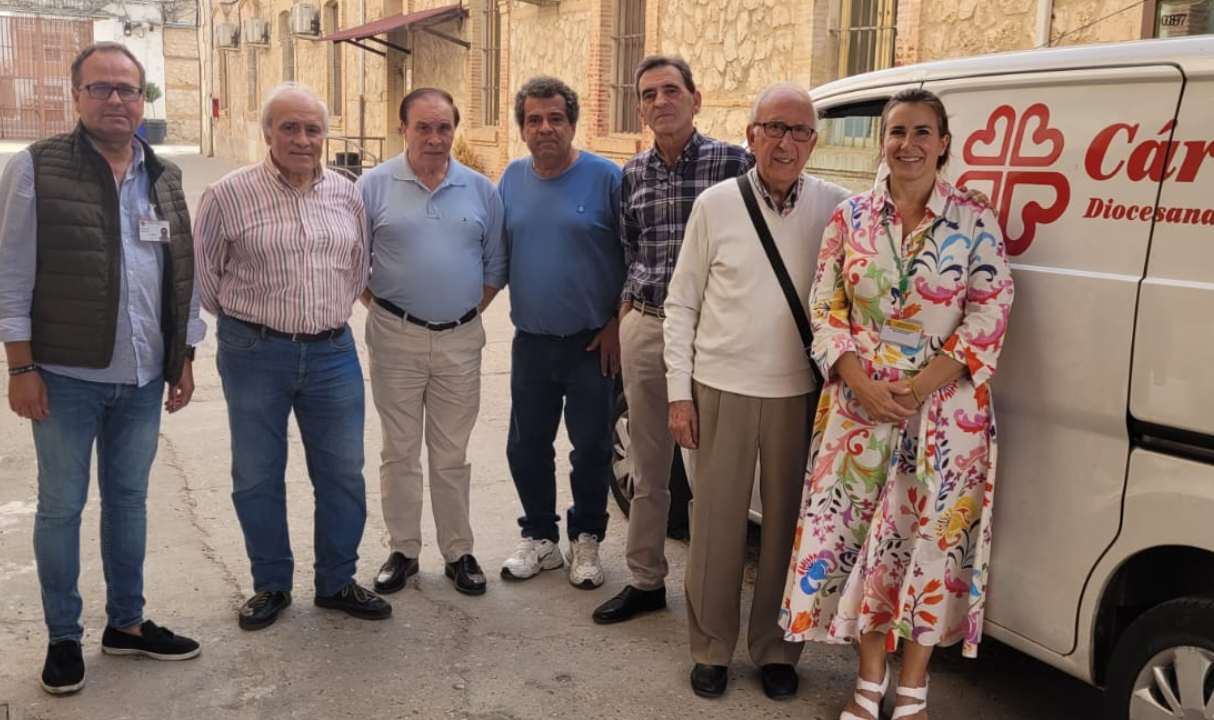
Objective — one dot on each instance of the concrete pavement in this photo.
(522, 651)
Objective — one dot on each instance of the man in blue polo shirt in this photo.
(566, 273)
(437, 261)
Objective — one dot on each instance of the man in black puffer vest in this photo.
(97, 314)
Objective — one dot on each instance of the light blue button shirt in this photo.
(432, 253)
(138, 337)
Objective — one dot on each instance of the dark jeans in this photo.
(264, 380)
(546, 373)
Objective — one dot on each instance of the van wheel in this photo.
(1163, 666)
(677, 523)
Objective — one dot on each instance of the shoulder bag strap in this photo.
(777, 264)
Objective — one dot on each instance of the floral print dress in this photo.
(895, 528)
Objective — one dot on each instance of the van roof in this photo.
(1193, 55)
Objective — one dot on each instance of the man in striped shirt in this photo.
(281, 257)
(658, 190)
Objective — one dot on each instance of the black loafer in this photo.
(629, 603)
(356, 600)
(63, 672)
(262, 609)
(395, 572)
(708, 681)
(780, 681)
(158, 643)
(467, 575)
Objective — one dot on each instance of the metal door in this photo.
(36, 54)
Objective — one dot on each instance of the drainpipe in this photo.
(1045, 17)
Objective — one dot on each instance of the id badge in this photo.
(154, 231)
(906, 333)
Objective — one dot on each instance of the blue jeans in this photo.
(547, 372)
(124, 420)
(264, 379)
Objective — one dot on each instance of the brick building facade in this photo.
(483, 50)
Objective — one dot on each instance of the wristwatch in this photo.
(189, 353)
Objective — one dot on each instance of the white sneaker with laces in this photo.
(585, 570)
(530, 557)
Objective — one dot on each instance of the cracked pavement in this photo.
(522, 651)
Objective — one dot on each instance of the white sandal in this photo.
(870, 706)
(919, 694)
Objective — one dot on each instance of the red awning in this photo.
(395, 22)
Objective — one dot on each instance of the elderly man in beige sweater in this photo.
(741, 388)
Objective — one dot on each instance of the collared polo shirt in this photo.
(432, 252)
(566, 261)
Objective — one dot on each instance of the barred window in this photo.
(629, 41)
(866, 37)
(491, 68)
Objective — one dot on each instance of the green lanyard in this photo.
(905, 268)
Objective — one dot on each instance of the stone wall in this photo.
(958, 28)
(735, 47)
(549, 40)
(183, 90)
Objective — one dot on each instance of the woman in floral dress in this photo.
(909, 309)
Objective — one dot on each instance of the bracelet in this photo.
(22, 370)
(914, 393)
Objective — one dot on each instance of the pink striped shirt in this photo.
(292, 260)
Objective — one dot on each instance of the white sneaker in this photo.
(585, 570)
(530, 557)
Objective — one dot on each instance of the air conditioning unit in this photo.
(227, 36)
(305, 20)
(256, 32)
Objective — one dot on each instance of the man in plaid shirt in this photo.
(659, 187)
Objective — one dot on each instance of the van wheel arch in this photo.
(1164, 663)
(1143, 582)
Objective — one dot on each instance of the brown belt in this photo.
(646, 309)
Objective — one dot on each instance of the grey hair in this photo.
(289, 88)
(544, 86)
(106, 46)
(770, 90)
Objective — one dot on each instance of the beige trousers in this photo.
(422, 376)
(652, 448)
(735, 431)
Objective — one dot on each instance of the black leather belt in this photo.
(646, 309)
(293, 337)
(435, 326)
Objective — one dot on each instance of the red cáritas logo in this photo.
(1009, 153)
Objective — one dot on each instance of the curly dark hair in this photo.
(545, 86)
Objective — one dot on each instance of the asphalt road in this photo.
(522, 651)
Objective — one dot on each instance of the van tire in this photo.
(1182, 623)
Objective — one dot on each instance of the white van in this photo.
(1100, 160)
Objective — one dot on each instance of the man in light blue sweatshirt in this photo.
(566, 271)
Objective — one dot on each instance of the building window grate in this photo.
(629, 51)
(491, 68)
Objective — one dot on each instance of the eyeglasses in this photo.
(776, 131)
(103, 90)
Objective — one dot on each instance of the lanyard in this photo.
(905, 267)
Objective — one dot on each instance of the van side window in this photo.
(848, 144)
